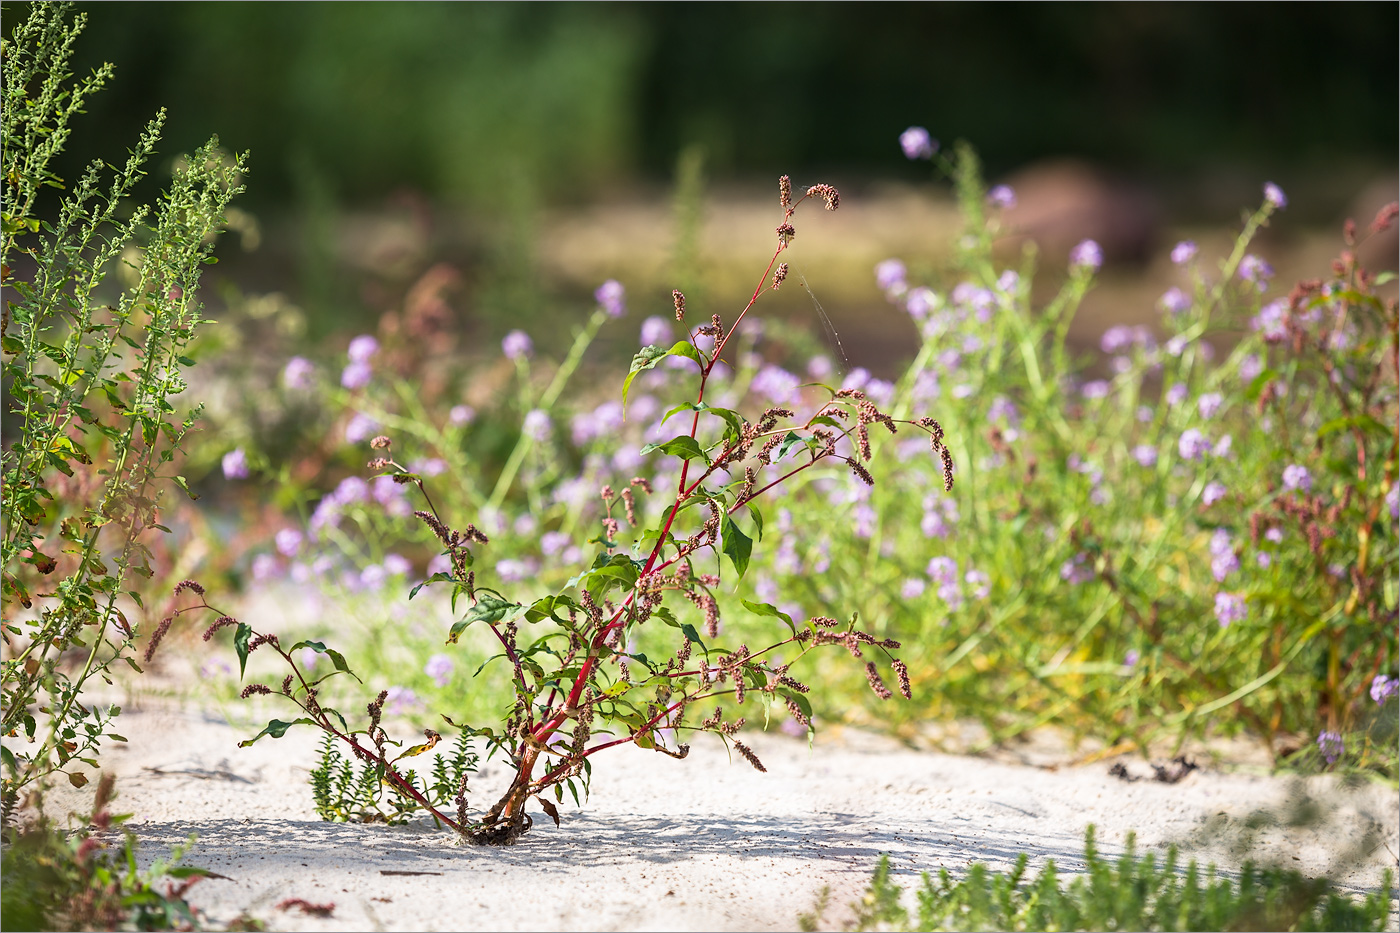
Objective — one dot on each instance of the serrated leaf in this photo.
(736, 545)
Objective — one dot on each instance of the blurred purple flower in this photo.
(525, 525)
(917, 144)
(1274, 534)
(288, 542)
(656, 331)
(610, 296)
(1003, 409)
(1213, 492)
(1098, 388)
(1145, 455)
(1331, 746)
(400, 700)
(356, 375)
(1087, 255)
(439, 668)
(1250, 367)
(1392, 501)
(512, 570)
(979, 583)
(1256, 271)
(1383, 688)
(1271, 321)
(1184, 252)
(361, 427)
(776, 384)
(1223, 561)
(920, 302)
(396, 565)
(460, 415)
(1229, 608)
(536, 425)
(433, 466)
(441, 563)
(1297, 477)
(553, 541)
(912, 588)
(1002, 196)
(1222, 446)
(1174, 300)
(1131, 658)
(1116, 338)
(819, 367)
(943, 570)
(264, 566)
(299, 373)
(865, 520)
(1077, 569)
(235, 464)
(1144, 414)
(362, 349)
(889, 277)
(1274, 195)
(372, 577)
(856, 378)
(1193, 445)
(349, 490)
(880, 391)
(517, 345)
(1209, 404)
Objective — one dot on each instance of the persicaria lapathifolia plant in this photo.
(580, 685)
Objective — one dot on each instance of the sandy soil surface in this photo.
(701, 844)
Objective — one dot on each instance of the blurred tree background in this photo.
(465, 101)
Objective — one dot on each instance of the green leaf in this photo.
(646, 358)
(277, 728)
(185, 485)
(336, 657)
(547, 608)
(757, 517)
(790, 441)
(240, 644)
(731, 417)
(489, 608)
(682, 445)
(736, 545)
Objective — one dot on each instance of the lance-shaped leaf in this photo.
(336, 657)
(489, 608)
(682, 445)
(276, 728)
(736, 545)
(768, 609)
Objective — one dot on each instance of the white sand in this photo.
(700, 844)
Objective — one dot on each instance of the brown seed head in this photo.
(785, 192)
(380, 442)
(679, 300)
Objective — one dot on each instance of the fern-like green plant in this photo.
(1133, 893)
(344, 795)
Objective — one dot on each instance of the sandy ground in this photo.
(701, 844)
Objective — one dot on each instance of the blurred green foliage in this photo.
(465, 100)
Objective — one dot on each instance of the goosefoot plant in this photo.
(574, 672)
(89, 376)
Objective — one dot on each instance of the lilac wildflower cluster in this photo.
(1383, 688)
(1077, 569)
(1331, 745)
(1229, 608)
(360, 370)
(299, 373)
(235, 464)
(1087, 255)
(917, 143)
(610, 297)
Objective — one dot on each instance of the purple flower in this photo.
(1002, 196)
(517, 345)
(1250, 367)
(439, 564)
(1229, 608)
(1144, 414)
(1174, 300)
(511, 570)
(819, 367)
(1330, 743)
(776, 384)
(536, 425)
(912, 588)
(439, 668)
(1392, 501)
(1274, 534)
(1222, 446)
(1223, 561)
(1087, 255)
(889, 277)
(920, 302)
(917, 144)
(1383, 688)
(1209, 404)
(1297, 477)
(299, 373)
(880, 391)
(1263, 560)
(1274, 195)
(943, 570)
(235, 464)
(264, 566)
(1184, 252)
(361, 427)
(1095, 389)
(553, 541)
(460, 415)
(373, 577)
(396, 565)
(356, 375)
(1003, 409)
(1213, 492)
(288, 542)
(308, 657)
(1116, 338)
(656, 331)
(1193, 445)
(1256, 271)
(610, 296)
(1077, 570)
(1131, 658)
(1271, 321)
(433, 466)
(400, 700)
(979, 583)
(362, 349)
(1145, 455)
